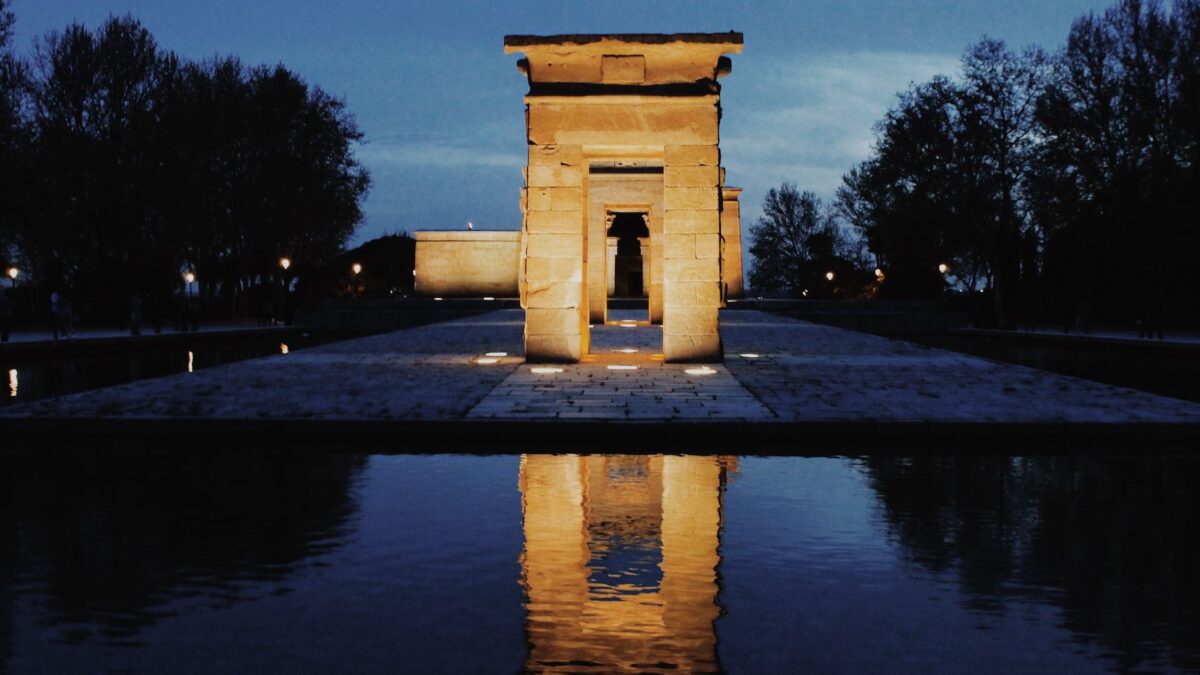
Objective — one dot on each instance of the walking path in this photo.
(782, 374)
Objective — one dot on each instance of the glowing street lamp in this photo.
(13, 273)
(285, 263)
(943, 268)
(356, 268)
(879, 273)
(829, 276)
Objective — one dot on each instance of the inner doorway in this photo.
(628, 255)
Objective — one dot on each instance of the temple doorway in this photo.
(628, 255)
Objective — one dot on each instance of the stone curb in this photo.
(654, 436)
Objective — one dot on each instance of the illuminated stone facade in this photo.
(625, 124)
(467, 263)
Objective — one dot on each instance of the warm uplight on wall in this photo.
(191, 358)
(829, 276)
(497, 354)
(283, 349)
(619, 366)
(356, 268)
(12, 382)
(943, 268)
(542, 370)
(702, 370)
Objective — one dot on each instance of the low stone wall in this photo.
(467, 264)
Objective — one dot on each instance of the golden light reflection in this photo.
(12, 383)
(191, 358)
(620, 561)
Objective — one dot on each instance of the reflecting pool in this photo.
(255, 559)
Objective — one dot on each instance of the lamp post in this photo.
(189, 277)
(356, 269)
(285, 264)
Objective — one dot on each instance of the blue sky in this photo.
(441, 107)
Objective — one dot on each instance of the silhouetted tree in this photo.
(1117, 163)
(14, 137)
(141, 164)
(795, 242)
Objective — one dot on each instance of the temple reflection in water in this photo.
(620, 561)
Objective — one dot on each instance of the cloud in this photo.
(426, 154)
(812, 120)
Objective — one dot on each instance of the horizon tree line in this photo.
(126, 165)
(1060, 185)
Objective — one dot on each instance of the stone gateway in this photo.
(624, 188)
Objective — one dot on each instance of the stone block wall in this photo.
(555, 254)
(691, 253)
(467, 264)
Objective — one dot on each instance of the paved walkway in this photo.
(472, 370)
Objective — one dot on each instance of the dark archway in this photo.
(629, 229)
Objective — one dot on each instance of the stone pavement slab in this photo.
(611, 390)
(807, 371)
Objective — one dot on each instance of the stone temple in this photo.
(624, 195)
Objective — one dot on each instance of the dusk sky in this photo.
(441, 104)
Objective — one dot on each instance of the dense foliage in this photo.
(1063, 185)
(129, 165)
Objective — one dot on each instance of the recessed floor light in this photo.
(703, 370)
(496, 354)
(487, 360)
(627, 350)
(749, 356)
(617, 366)
(545, 371)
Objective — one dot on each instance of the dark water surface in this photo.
(55, 375)
(255, 560)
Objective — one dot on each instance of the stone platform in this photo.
(785, 384)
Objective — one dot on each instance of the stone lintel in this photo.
(692, 59)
